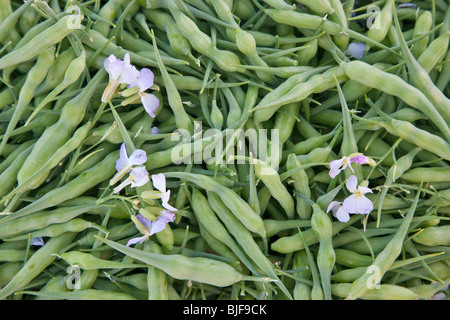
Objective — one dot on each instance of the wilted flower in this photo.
(120, 72)
(357, 202)
(149, 227)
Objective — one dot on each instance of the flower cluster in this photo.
(121, 72)
(138, 81)
(357, 202)
(149, 226)
(137, 178)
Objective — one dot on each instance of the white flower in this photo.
(124, 164)
(159, 182)
(120, 72)
(144, 81)
(137, 178)
(149, 227)
(339, 211)
(357, 202)
(336, 166)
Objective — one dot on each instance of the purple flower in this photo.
(149, 227)
(336, 166)
(159, 182)
(120, 72)
(357, 203)
(339, 211)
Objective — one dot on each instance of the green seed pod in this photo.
(434, 236)
(423, 25)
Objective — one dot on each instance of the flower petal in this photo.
(150, 103)
(335, 167)
(165, 201)
(138, 157)
(342, 215)
(364, 205)
(349, 204)
(159, 182)
(352, 183)
(332, 205)
(128, 75)
(168, 216)
(136, 240)
(359, 159)
(145, 79)
(158, 225)
(356, 50)
(364, 190)
(113, 66)
(140, 175)
(147, 223)
(122, 161)
(154, 130)
(36, 241)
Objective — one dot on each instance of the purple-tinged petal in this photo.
(342, 215)
(145, 79)
(168, 216)
(332, 205)
(359, 159)
(364, 205)
(162, 221)
(351, 183)
(136, 240)
(154, 130)
(355, 50)
(36, 241)
(349, 204)
(157, 226)
(147, 223)
(114, 67)
(159, 182)
(407, 5)
(150, 103)
(123, 158)
(138, 157)
(128, 75)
